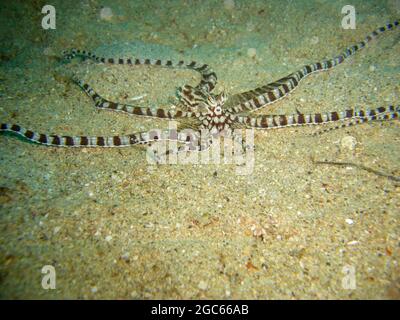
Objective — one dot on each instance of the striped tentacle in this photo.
(391, 115)
(283, 121)
(208, 76)
(102, 103)
(98, 141)
(193, 98)
(272, 92)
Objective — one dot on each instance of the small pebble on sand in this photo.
(229, 4)
(372, 68)
(314, 40)
(125, 256)
(93, 289)
(251, 52)
(250, 27)
(48, 51)
(352, 243)
(349, 221)
(348, 143)
(108, 238)
(202, 285)
(106, 14)
(258, 231)
(56, 229)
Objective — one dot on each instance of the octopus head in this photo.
(215, 104)
(217, 119)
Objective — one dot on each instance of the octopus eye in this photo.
(218, 109)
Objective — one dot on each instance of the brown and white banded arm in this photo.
(208, 76)
(274, 91)
(99, 141)
(102, 103)
(283, 121)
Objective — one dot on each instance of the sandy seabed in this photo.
(114, 226)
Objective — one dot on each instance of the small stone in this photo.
(229, 4)
(202, 285)
(56, 229)
(251, 52)
(314, 40)
(348, 143)
(108, 238)
(349, 221)
(250, 27)
(106, 14)
(372, 68)
(125, 256)
(48, 51)
(93, 289)
(352, 243)
(258, 232)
